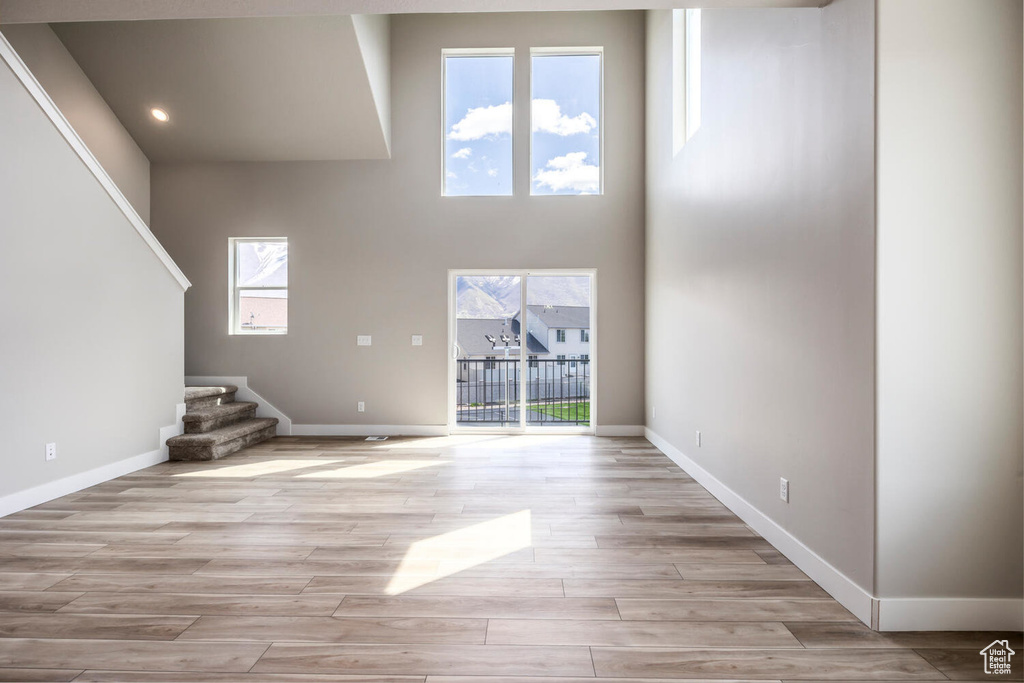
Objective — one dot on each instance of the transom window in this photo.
(478, 87)
(565, 119)
(258, 281)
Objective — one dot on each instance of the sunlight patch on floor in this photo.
(369, 470)
(479, 543)
(256, 469)
(482, 441)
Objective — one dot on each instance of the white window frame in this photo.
(560, 336)
(570, 52)
(584, 336)
(235, 292)
(524, 377)
(474, 52)
(686, 76)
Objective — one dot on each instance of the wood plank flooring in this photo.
(479, 559)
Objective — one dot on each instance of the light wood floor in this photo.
(313, 559)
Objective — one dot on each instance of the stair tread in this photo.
(192, 393)
(200, 414)
(227, 433)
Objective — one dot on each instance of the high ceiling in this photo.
(253, 89)
(36, 11)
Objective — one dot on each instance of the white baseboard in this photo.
(950, 614)
(620, 430)
(369, 430)
(245, 393)
(172, 430)
(43, 493)
(838, 585)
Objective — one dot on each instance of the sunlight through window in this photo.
(463, 549)
(256, 469)
(369, 470)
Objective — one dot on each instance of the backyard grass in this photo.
(570, 412)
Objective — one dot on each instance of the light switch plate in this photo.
(364, 340)
(417, 340)
(51, 451)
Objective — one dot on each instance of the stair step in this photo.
(205, 420)
(197, 398)
(222, 441)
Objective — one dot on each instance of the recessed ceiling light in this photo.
(159, 114)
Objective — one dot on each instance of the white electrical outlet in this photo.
(361, 407)
(417, 340)
(698, 438)
(784, 489)
(51, 451)
(364, 340)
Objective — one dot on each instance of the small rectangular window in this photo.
(258, 281)
(478, 98)
(533, 361)
(565, 119)
(561, 359)
(560, 335)
(584, 336)
(490, 364)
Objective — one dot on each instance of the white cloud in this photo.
(463, 153)
(548, 118)
(481, 122)
(570, 172)
(493, 172)
(451, 174)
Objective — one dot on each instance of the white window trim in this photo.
(234, 291)
(579, 52)
(474, 52)
(560, 333)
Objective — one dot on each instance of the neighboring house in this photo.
(554, 333)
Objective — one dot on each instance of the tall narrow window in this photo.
(478, 122)
(258, 276)
(693, 68)
(686, 76)
(565, 118)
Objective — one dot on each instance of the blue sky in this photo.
(478, 125)
(566, 110)
(565, 117)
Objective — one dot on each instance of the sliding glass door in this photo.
(521, 368)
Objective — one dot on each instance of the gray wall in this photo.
(92, 320)
(371, 241)
(760, 268)
(950, 400)
(87, 112)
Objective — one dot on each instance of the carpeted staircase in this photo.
(217, 425)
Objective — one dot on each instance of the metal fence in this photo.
(557, 391)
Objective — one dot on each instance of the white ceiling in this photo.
(36, 11)
(257, 89)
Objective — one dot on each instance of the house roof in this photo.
(472, 335)
(573, 317)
